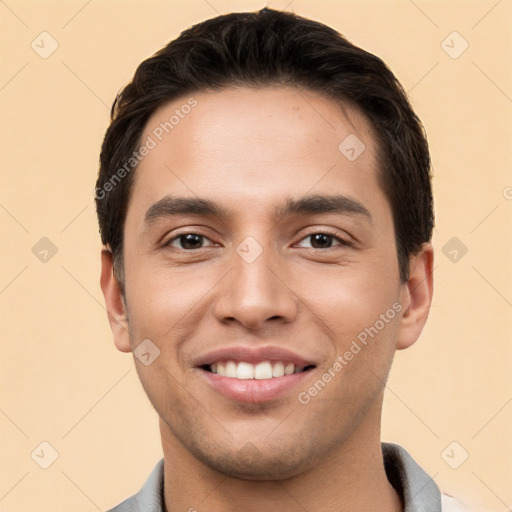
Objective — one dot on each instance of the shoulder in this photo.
(150, 496)
(450, 504)
(417, 488)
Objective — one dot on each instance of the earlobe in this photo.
(114, 301)
(416, 297)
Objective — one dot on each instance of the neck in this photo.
(351, 477)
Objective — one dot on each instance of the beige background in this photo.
(61, 379)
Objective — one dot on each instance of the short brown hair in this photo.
(270, 47)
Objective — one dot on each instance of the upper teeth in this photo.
(263, 370)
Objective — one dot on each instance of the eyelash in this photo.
(342, 241)
(177, 237)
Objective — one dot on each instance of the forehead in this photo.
(244, 144)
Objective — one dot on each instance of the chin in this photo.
(259, 470)
(251, 463)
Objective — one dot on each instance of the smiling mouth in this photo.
(242, 370)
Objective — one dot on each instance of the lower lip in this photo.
(254, 390)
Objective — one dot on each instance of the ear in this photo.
(416, 296)
(114, 301)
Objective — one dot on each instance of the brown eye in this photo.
(322, 241)
(188, 241)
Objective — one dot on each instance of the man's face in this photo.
(270, 279)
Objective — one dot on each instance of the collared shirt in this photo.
(419, 492)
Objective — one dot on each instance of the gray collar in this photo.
(419, 492)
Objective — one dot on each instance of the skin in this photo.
(250, 150)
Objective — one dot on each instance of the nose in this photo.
(255, 294)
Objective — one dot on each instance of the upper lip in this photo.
(253, 356)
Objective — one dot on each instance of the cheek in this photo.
(348, 299)
(166, 303)
(359, 315)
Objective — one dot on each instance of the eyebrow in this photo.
(317, 204)
(170, 206)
